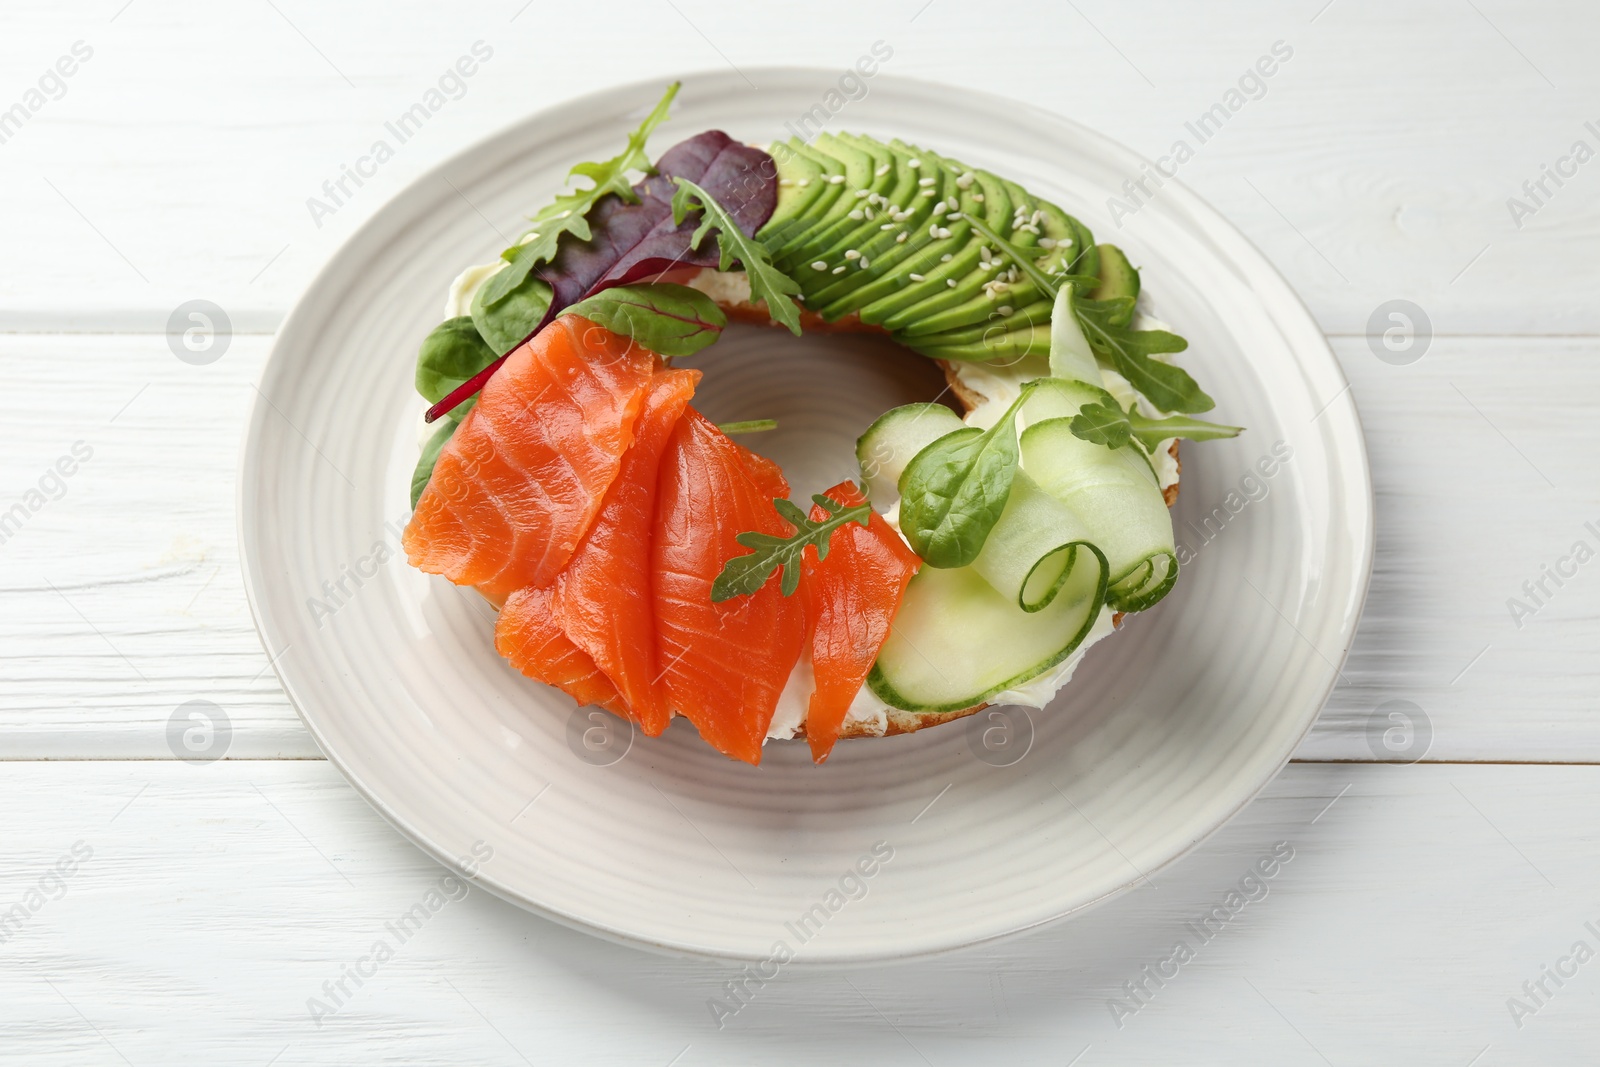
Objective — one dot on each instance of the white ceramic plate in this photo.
(992, 825)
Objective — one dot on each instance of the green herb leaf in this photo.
(568, 214)
(745, 575)
(748, 426)
(671, 320)
(430, 456)
(1128, 351)
(767, 282)
(508, 323)
(450, 355)
(1105, 423)
(953, 491)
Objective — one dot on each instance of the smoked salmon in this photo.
(530, 637)
(851, 597)
(603, 599)
(724, 664)
(520, 482)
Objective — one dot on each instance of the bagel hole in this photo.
(823, 388)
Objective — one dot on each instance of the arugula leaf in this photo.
(430, 456)
(450, 355)
(767, 282)
(745, 575)
(1128, 351)
(1104, 423)
(953, 491)
(670, 320)
(569, 213)
(748, 426)
(510, 322)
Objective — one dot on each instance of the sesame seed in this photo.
(943, 233)
(838, 270)
(951, 282)
(887, 226)
(881, 171)
(864, 264)
(857, 215)
(984, 253)
(851, 253)
(870, 213)
(803, 182)
(835, 179)
(977, 198)
(900, 238)
(926, 181)
(1047, 243)
(1005, 309)
(819, 265)
(785, 182)
(987, 265)
(927, 192)
(862, 194)
(1036, 218)
(966, 180)
(913, 163)
(947, 257)
(918, 278)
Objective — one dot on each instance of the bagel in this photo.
(582, 469)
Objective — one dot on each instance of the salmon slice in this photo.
(603, 598)
(724, 664)
(852, 596)
(518, 485)
(529, 635)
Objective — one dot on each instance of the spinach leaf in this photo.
(430, 456)
(511, 321)
(450, 355)
(670, 320)
(953, 491)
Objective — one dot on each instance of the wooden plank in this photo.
(215, 901)
(125, 598)
(1373, 164)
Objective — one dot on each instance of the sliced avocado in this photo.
(799, 185)
(1118, 278)
(892, 266)
(889, 177)
(987, 198)
(780, 238)
(1031, 339)
(1037, 312)
(886, 240)
(862, 179)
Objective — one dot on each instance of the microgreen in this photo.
(670, 320)
(748, 426)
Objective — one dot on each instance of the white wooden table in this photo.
(206, 904)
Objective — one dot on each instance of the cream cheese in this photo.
(466, 286)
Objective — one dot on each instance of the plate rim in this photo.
(1357, 459)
